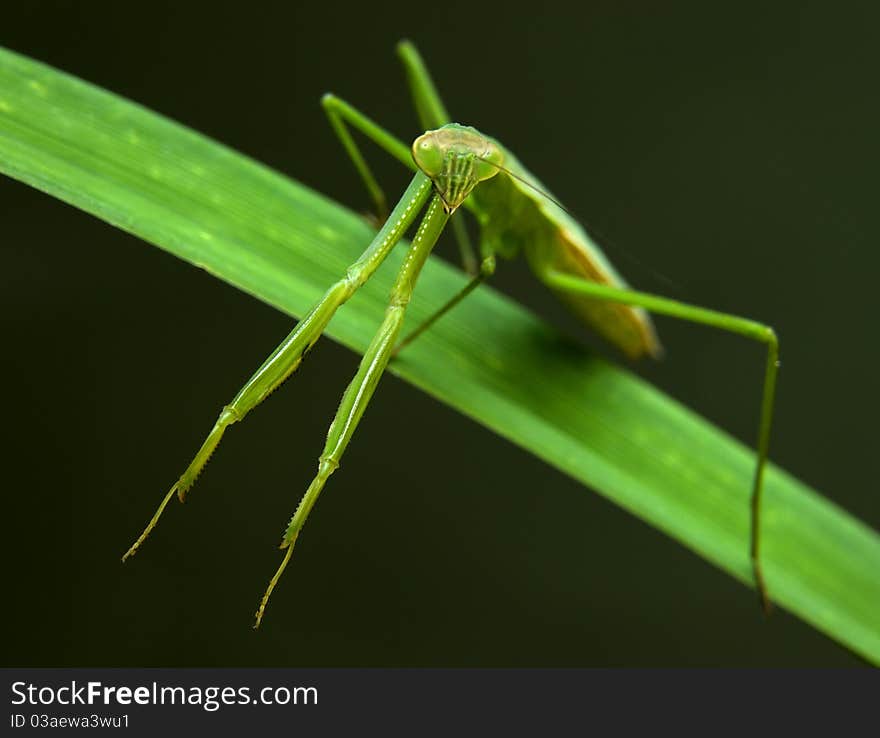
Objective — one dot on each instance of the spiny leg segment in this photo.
(342, 114)
(433, 114)
(289, 354)
(360, 390)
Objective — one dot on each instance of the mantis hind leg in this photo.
(753, 330)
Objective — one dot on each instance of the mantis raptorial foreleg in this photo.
(432, 114)
(341, 115)
(759, 332)
(287, 357)
(360, 390)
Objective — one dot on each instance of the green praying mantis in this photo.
(457, 166)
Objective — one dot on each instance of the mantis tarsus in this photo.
(456, 166)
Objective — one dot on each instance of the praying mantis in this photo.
(456, 166)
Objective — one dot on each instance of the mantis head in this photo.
(456, 158)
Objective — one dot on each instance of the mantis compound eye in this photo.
(427, 154)
(489, 162)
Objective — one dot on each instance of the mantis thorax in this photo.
(456, 158)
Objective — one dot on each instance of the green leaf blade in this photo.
(490, 359)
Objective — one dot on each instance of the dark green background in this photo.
(726, 154)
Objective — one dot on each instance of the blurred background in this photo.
(723, 153)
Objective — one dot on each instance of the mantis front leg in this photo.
(342, 115)
(359, 392)
(287, 357)
(751, 329)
